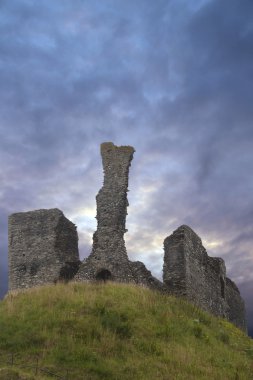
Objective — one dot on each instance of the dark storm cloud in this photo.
(171, 78)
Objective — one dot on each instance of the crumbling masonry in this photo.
(189, 272)
(43, 248)
(108, 259)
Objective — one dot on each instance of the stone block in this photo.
(43, 248)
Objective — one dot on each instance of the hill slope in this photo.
(117, 331)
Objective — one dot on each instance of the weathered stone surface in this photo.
(109, 251)
(189, 272)
(144, 277)
(108, 259)
(236, 306)
(43, 248)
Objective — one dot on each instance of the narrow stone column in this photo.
(112, 201)
(108, 259)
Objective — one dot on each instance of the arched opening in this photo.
(104, 275)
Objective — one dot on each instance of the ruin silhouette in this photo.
(43, 248)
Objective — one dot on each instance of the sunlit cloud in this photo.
(209, 244)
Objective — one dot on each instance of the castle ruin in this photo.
(188, 271)
(43, 248)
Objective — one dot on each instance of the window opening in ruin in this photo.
(104, 275)
(222, 285)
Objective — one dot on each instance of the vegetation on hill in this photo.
(116, 331)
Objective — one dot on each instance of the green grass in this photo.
(117, 331)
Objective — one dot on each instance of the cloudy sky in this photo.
(173, 79)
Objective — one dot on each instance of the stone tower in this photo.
(43, 248)
(108, 259)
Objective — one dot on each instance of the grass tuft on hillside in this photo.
(116, 331)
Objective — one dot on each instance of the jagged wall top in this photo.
(116, 162)
(112, 197)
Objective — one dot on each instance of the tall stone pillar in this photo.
(108, 259)
(112, 202)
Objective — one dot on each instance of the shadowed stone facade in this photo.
(43, 248)
(236, 307)
(188, 271)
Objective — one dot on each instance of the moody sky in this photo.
(173, 79)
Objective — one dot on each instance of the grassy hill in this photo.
(115, 331)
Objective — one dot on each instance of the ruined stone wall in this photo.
(174, 267)
(188, 271)
(144, 277)
(236, 306)
(43, 248)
